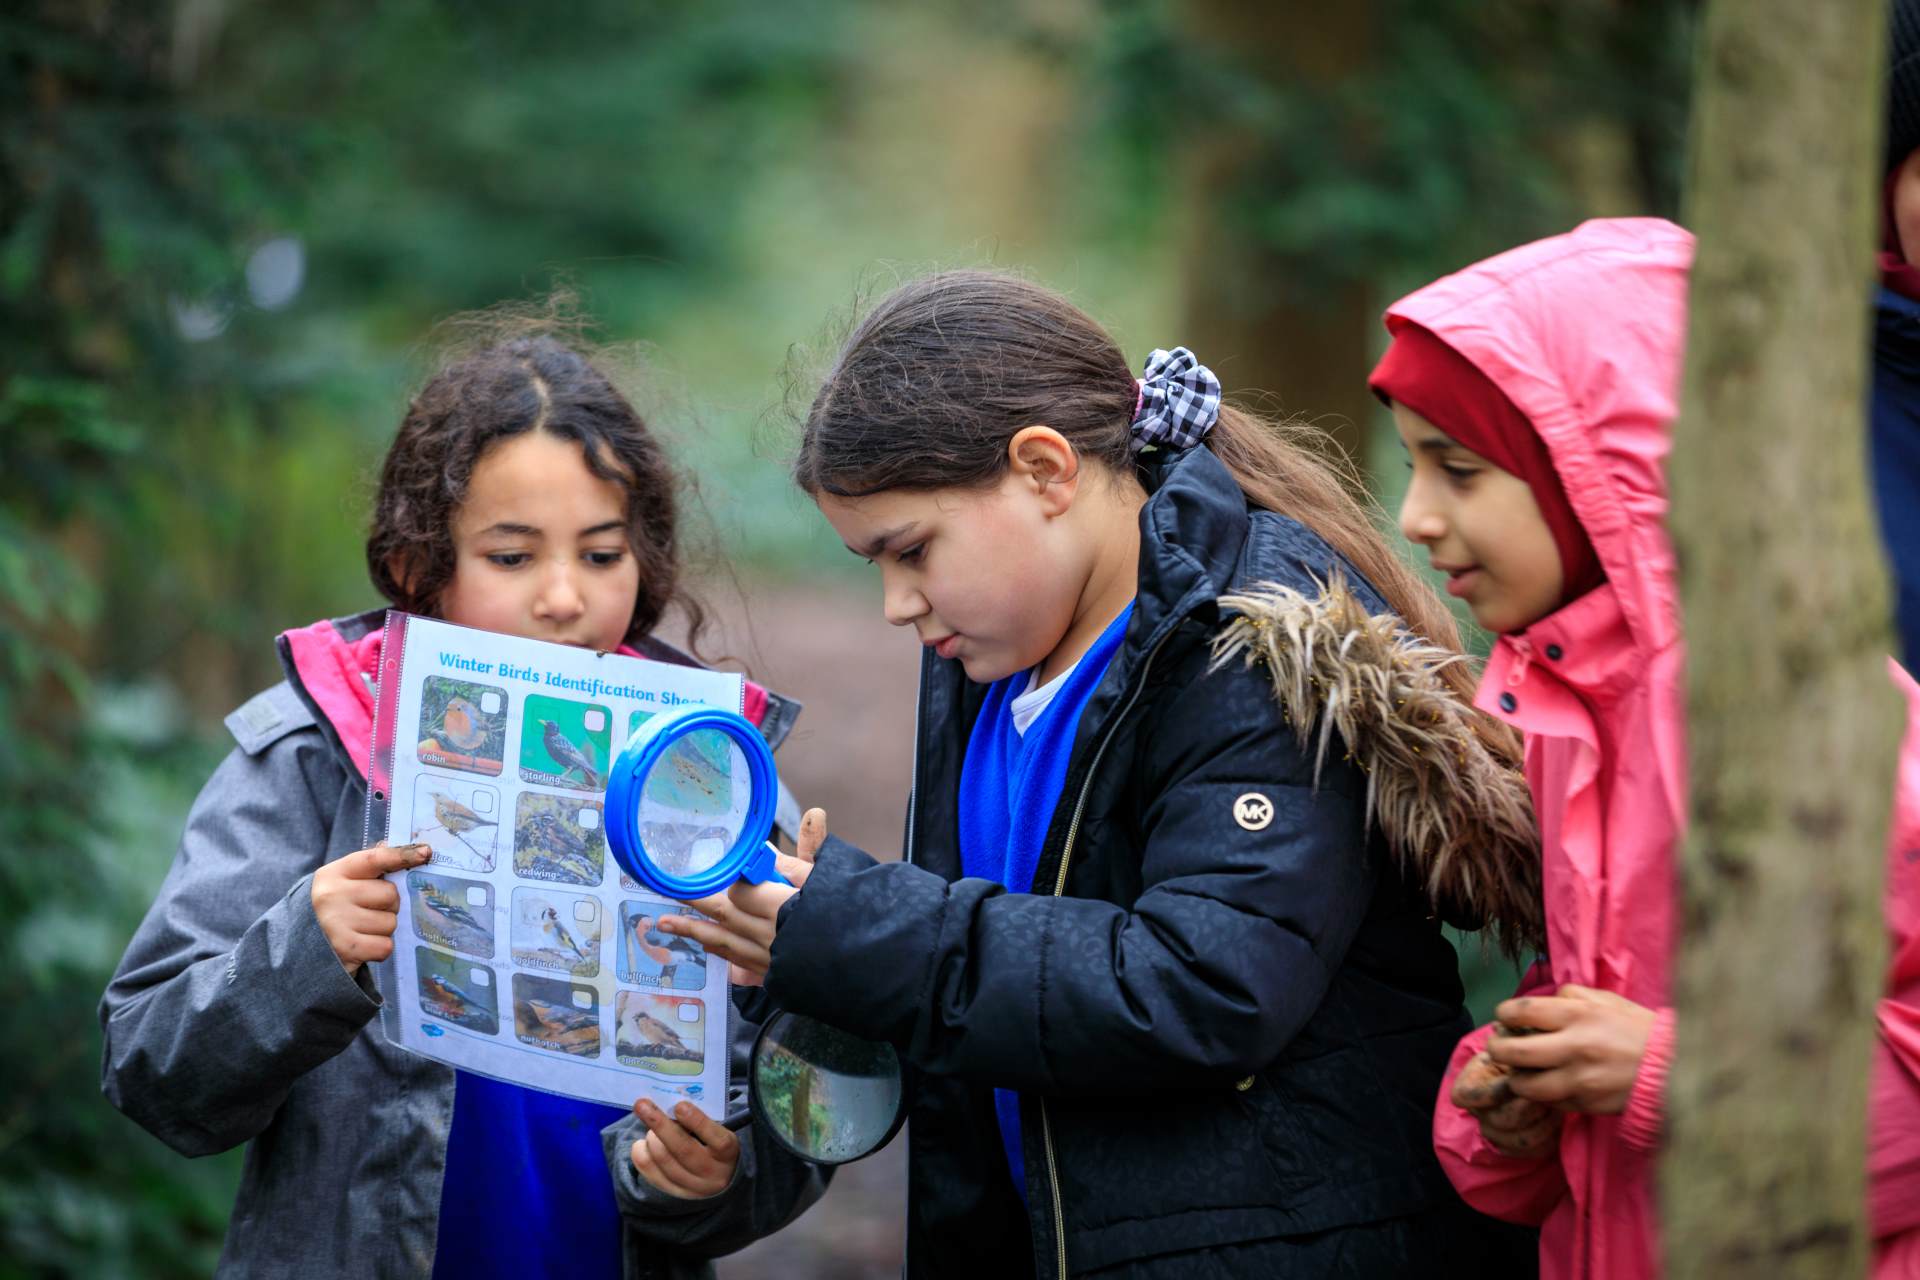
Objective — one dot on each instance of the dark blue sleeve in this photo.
(1222, 958)
(1896, 491)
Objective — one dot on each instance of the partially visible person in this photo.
(1896, 344)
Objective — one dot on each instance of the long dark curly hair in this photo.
(533, 382)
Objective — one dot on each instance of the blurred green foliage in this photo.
(1458, 128)
(226, 232)
(103, 198)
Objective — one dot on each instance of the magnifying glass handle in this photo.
(759, 868)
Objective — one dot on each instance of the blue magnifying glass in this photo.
(691, 800)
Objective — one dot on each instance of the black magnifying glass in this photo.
(826, 1096)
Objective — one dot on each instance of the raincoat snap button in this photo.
(1508, 702)
(1555, 652)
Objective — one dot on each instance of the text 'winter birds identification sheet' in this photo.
(523, 951)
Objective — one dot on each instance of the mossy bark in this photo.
(1792, 720)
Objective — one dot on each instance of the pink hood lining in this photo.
(338, 676)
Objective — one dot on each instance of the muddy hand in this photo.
(799, 865)
(1512, 1125)
(1580, 1048)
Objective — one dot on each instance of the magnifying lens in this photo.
(691, 800)
(690, 803)
(826, 1096)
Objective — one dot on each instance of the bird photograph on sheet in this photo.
(457, 991)
(453, 913)
(549, 1013)
(557, 931)
(659, 1033)
(565, 744)
(462, 725)
(559, 839)
(460, 820)
(647, 957)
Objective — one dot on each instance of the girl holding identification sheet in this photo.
(522, 495)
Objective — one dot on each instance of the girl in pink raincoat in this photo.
(1534, 393)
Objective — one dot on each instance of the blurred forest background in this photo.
(227, 233)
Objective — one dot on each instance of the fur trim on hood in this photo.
(1455, 810)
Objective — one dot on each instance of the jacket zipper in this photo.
(913, 784)
(906, 852)
(1059, 888)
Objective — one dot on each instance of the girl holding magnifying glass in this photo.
(1166, 972)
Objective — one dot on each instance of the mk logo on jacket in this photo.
(1253, 811)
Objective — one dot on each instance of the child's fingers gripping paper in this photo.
(647, 1155)
(355, 908)
(688, 1155)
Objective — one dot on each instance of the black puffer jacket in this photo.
(1228, 1033)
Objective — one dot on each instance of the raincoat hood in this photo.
(1585, 332)
(1599, 381)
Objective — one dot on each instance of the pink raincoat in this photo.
(1584, 333)
(1893, 1150)
(1598, 689)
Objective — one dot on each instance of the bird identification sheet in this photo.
(523, 952)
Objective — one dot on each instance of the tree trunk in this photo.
(1792, 719)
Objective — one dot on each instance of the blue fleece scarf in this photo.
(1010, 785)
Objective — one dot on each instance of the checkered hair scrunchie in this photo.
(1178, 404)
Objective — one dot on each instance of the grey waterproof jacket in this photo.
(231, 1021)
